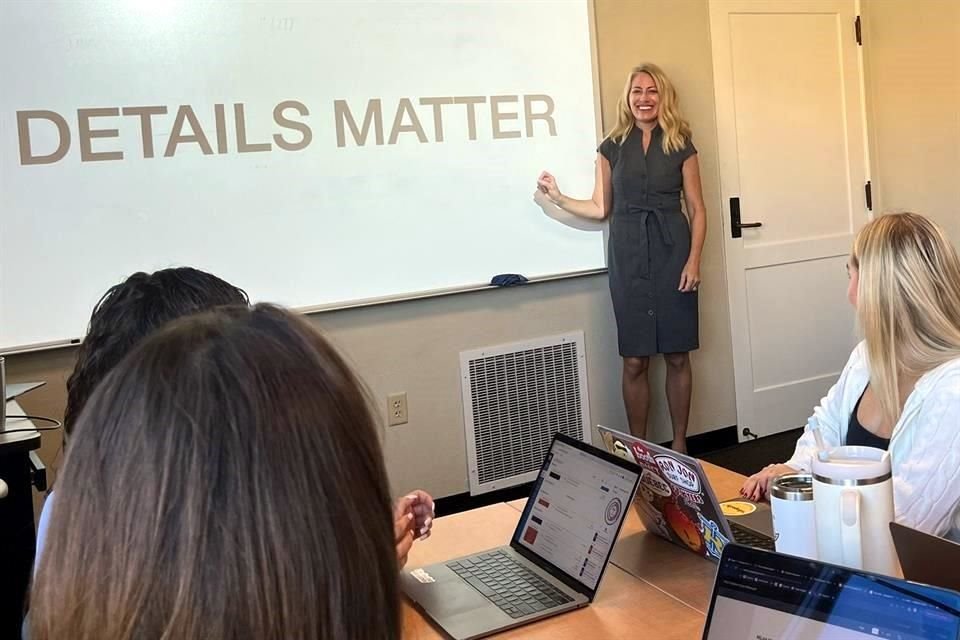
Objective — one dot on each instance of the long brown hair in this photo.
(908, 301)
(225, 481)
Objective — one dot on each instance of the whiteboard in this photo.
(313, 153)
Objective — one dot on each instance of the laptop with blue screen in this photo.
(770, 596)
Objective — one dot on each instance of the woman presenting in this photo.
(643, 164)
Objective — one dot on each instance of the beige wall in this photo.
(913, 97)
(414, 346)
(912, 59)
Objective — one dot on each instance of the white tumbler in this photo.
(794, 519)
(853, 494)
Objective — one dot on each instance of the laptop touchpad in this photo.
(454, 596)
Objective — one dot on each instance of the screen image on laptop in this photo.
(575, 510)
(765, 595)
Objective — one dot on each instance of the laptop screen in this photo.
(575, 510)
(760, 594)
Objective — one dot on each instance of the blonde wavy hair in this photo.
(676, 130)
(908, 301)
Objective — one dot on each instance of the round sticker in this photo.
(614, 509)
(736, 508)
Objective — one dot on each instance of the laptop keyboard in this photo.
(516, 590)
(750, 538)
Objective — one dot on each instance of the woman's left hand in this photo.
(690, 277)
(419, 505)
(412, 520)
(423, 513)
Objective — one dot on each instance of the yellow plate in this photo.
(735, 508)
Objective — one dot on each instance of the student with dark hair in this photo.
(225, 480)
(130, 311)
(135, 308)
(126, 314)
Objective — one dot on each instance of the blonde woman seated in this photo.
(900, 390)
(225, 480)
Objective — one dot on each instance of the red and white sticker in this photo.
(678, 473)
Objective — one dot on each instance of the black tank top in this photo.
(858, 435)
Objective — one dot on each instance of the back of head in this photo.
(130, 311)
(249, 500)
(908, 299)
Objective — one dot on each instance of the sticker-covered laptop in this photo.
(675, 500)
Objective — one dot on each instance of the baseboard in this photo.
(697, 445)
(710, 441)
(465, 502)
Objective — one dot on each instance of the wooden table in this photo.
(624, 607)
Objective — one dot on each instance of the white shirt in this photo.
(924, 446)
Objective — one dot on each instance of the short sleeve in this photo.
(609, 150)
(688, 150)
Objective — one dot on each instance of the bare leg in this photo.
(679, 388)
(636, 394)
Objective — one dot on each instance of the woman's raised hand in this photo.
(547, 184)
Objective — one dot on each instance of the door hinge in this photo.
(858, 30)
(868, 194)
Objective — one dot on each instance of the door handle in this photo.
(735, 224)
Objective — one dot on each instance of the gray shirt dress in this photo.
(649, 244)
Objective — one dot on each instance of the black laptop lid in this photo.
(926, 558)
(575, 511)
(761, 594)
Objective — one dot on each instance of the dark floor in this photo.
(749, 457)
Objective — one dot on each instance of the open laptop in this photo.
(761, 594)
(675, 500)
(926, 558)
(554, 561)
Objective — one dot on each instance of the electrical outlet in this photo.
(397, 409)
